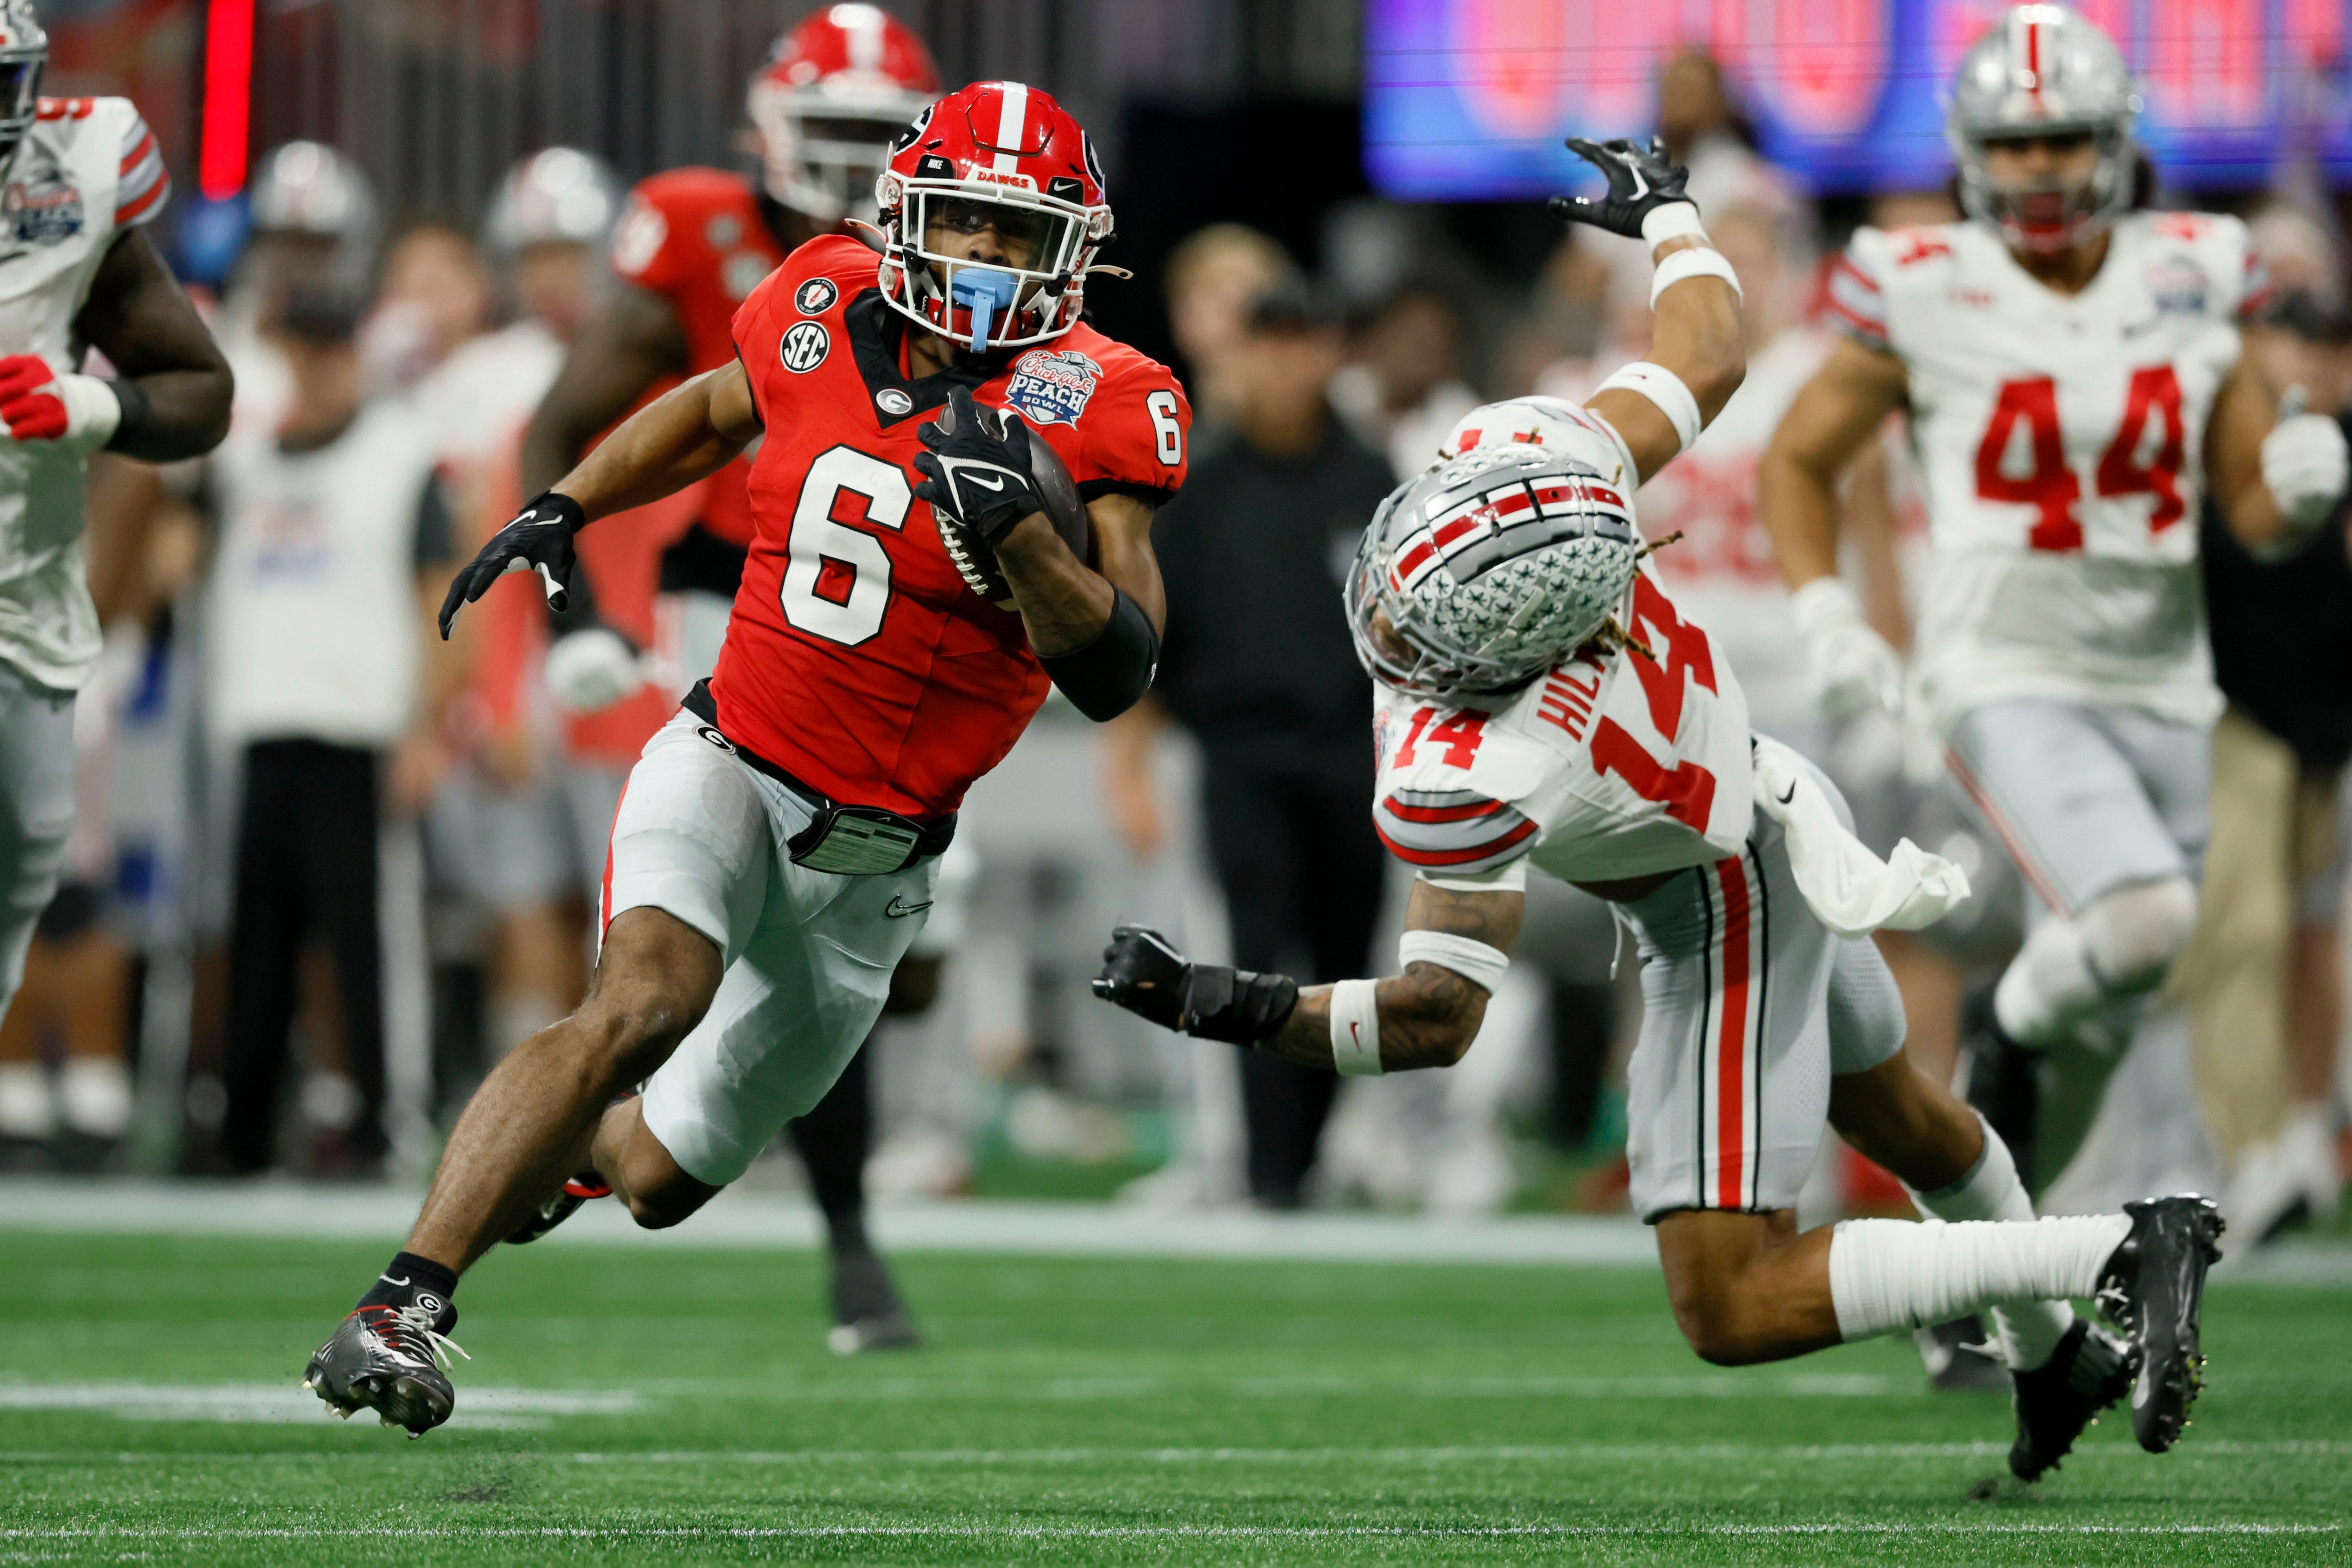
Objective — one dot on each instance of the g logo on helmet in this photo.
(804, 347)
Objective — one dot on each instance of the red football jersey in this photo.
(695, 237)
(857, 658)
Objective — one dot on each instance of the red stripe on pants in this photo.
(1731, 1045)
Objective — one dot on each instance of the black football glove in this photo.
(1144, 973)
(1641, 180)
(539, 538)
(977, 467)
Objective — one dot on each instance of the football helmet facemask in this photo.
(1005, 166)
(24, 56)
(2043, 70)
(836, 90)
(1495, 566)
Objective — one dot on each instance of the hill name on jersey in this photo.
(1612, 766)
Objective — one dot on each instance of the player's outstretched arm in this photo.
(1853, 668)
(1456, 945)
(681, 437)
(1698, 358)
(172, 385)
(1097, 632)
(617, 353)
(2275, 473)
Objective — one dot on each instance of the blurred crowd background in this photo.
(372, 220)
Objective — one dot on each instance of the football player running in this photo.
(937, 430)
(2076, 387)
(85, 176)
(1541, 701)
(691, 246)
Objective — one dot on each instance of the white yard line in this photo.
(1537, 1453)
(1131, 1532)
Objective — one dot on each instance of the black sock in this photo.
(409, 1279)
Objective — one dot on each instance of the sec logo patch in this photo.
(805, 346)
(815, 297)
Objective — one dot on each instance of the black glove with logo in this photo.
(976, 471)
(1641, 180)
(539, 538)
(1145, 975)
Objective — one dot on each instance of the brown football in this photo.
(1063, 510)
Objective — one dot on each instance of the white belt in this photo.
(1851, 889)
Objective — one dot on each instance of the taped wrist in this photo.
(1667, 392)
(1239, 1007)
(1104, 679)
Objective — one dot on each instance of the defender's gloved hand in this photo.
(539, 538)
(1852, 669)
(593, 669)
(1144, 973)
(977, 468)
(1642, 183)
(2304, 463)
(39, 404)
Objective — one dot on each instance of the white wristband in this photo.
(1356, 1028)
(1664, 388)
(1473, 960)
(1823, 603)
(1683, 264)
(93, 410)
(1674, 220)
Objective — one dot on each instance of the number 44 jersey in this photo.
(2061, 440)
(857, 658)
(1612, 766)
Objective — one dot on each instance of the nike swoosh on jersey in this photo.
(898, 908)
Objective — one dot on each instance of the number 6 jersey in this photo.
(2061, 440)
(855, 658)
(1610, 767)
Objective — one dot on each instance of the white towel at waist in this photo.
(1851, 889)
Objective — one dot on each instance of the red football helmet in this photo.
(835, 91)
(994, 156)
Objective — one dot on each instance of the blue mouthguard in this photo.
(986, 293)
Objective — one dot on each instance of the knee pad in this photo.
(2117, 948)
(2132, 935)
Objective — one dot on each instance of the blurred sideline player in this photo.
(693, 243)
(1541, 701)
(2073, 373)
(85, 176)
(525, 830)
(779, 844)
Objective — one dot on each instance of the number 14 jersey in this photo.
(855, 658)
(2061, 440)
(1612, 766)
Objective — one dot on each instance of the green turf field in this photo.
(631, 1404)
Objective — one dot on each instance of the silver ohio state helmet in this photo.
(558, 195)
(1535, 419)
(1495, 566)
(2043, 70)
(24, 55)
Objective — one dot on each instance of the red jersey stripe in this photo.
(1731, 1041)
(1456, 856)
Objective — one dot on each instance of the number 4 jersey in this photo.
(2061, 440)
(855, 658)
(1610, 767)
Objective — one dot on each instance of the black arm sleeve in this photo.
(436, 541)
(1106, 678)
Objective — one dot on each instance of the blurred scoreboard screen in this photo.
(1468, 99)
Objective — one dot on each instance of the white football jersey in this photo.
(2060, 442)
(1605, 769)
(1722, 571)
(89, 168)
